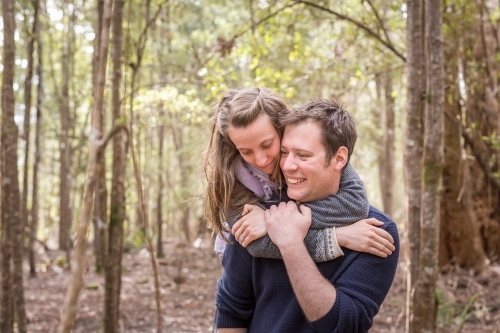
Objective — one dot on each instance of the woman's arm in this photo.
(323, 244)
(349, 205)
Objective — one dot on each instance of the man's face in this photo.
(303, 162)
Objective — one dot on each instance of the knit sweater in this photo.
(347, 206)
(256, 293)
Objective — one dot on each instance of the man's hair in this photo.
(337, 124)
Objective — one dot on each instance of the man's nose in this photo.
(288, 163)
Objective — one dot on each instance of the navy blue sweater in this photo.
(256, 292)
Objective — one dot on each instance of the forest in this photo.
(105, 116)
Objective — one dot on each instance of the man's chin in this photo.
(294, 195)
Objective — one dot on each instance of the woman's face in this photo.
(258, 143)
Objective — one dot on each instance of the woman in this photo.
(241, 166)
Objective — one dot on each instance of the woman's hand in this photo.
(251, 226)
(365, 236)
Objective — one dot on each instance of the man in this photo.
(295, 294)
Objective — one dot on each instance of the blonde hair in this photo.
(225, 196)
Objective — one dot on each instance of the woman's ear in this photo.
(340, 158)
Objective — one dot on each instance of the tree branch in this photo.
(253, 25)
(358, 24)
(379, 19)
(104, 141)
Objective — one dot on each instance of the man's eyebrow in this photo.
(300, 150)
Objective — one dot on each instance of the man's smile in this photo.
(295, 180)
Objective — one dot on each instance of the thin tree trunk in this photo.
(389, 147)
(159, 206)
(65, 148)
(100, 198)
(179, 146)
(117, 207)
(425, 307)
(95, 153)
(39, 98)
(164, 53)
(12, 276)
(27, 113)
(413, 147)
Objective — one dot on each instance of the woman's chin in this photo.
(268, 169)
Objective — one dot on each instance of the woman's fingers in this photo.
(247, 209)
(238, 232)
(246, 240)
(382, 245)
(377, 252)
(236, 226)
(384, 234)
(374, 222)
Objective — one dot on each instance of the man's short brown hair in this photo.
(337, 124)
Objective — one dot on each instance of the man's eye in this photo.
(284, 153)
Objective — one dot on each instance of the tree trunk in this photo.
(425, 307)
(183, 167)
(389, 147)
(100, 198)
(36, 166)
(65, 148)
(459, 238)
(413, 147)
(27, 113)
(117, 207)
(99, 216)
(159, 206)
(12, 276)
(95, 154)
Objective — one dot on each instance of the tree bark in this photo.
(12, 276)
(38, 133)
(27, 112)
(389, 147)
(65, 148)
(95, 154)
(117, 206)
(100, 198)
(159, 200)
(183, 167)
(459, 238)
(413, 147)
(425, 307)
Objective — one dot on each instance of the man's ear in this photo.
(340, 158)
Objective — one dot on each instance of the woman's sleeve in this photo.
(349, 205)
(321, 243)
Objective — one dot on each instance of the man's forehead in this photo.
(306, 134)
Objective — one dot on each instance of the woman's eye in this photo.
(302, 156)
(244, 152)
(284, 153)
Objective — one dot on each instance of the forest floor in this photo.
(469, 303)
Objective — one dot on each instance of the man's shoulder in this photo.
(379, 215)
